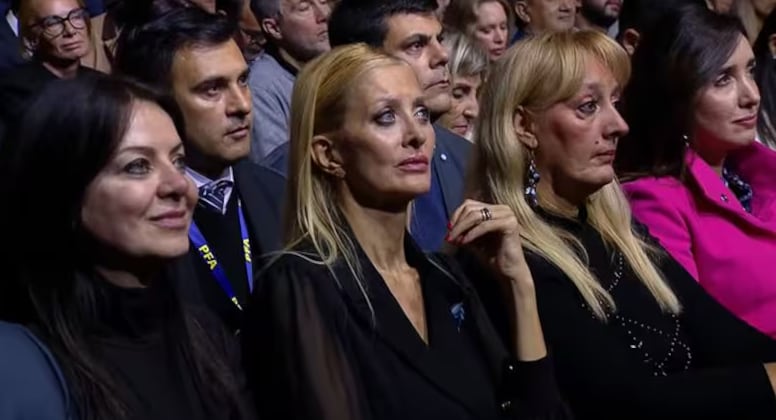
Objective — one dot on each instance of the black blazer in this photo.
(316, 348)
(261, 190)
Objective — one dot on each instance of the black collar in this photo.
(571, 224)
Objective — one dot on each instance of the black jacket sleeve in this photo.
(296, 365)
(527, 390)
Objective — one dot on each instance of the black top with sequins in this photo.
(643, 363)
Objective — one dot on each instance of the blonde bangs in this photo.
(610, 54)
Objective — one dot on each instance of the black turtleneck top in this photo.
(642, 363)
(139, 339)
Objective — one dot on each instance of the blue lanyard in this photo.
(209, 257)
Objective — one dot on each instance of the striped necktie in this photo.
(213, 194)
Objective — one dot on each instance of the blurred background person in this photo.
(55, 36)
(695, 173)
(599, 15)
(296, 31)
(250, 38)
(10, 44)
(753, 13)
(468, 71)
(103, 179)
(538, 16)
(765, 76)
(486, 21)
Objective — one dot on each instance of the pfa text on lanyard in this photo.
(198, 239)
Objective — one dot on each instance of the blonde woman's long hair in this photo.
(536, 74)
(318, 105)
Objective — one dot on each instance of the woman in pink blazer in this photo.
(694, 174)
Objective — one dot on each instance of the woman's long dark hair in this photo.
(68, 136)
(679, 55)
(765, 75)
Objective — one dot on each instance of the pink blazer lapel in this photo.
(757, 165)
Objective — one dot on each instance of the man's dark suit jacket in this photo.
(261, 191)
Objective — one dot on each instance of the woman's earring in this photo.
(532, 180)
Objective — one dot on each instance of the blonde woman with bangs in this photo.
(353, 321)
(631, 333)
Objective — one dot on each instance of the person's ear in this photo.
(326, 156)
(521, 11)
(271, 28)
(772, 44)
(525, 128)
(630, 40)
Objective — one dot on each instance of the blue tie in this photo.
(213, 194)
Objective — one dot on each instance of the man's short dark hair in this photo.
(146, 52)
(354, 21)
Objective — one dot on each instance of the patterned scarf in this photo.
(739, 187)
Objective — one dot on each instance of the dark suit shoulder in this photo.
(262, 191)
(266, 176)
(278, 159)
(452, 143)
(270, 175)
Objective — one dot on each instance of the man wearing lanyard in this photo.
(192, 55)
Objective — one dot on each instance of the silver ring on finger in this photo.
(486, 214)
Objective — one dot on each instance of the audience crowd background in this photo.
(388, 209)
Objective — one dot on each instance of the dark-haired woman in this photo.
(101, 208)
(765, 75)
(700, 182)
